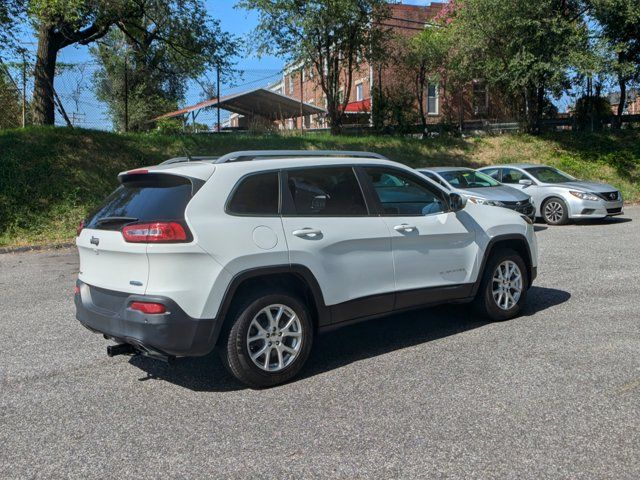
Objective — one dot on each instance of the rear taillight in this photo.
(158, 232)
(76, 290)
(79, 228)
(148, 307)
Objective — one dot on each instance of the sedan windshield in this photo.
(468, 179)
(549, 175)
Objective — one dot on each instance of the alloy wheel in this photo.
(507, 285)
(553, 211)
(274, 338)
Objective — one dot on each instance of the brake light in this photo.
(76, 290)
(79, 228)
(157, 232)
(137, 172)
(148, 307)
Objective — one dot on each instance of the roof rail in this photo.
(188, 159)
(257, 154)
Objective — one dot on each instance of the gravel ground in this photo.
(435, 393)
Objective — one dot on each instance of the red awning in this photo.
(363, 106)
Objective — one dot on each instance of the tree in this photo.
(424, 57)
(328, 35)
(522, 48)
(145, 61)
(10, 102)
(619, 21)
(69, 22)
(60, 24)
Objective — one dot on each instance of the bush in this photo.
(169, 126)
(592, 112)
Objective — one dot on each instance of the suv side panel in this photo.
(432, 247)
(235, 242)
(351, 255)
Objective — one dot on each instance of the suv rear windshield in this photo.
(147, 197)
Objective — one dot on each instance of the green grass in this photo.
(51, 177)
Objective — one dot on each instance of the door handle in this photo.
(307, 232)
(404, 227)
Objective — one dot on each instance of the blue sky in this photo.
(233, 20)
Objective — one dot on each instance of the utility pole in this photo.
(24, 90)
(126, 92)
(218, 94)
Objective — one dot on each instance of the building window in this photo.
(290, 84)
(480, 98)
(359, 92)
(290, 122)
(432, 99)
(304, 76)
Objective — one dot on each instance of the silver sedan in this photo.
(480, 188)
(558, 196)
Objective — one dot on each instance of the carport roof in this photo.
(262, 102)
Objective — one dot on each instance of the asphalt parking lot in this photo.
(434, 393)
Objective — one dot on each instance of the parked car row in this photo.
(255, 253)
(538, 191)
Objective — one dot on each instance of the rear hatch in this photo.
(148, 207)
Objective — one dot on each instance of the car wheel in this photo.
(504, 285)
(555, 211)
(269, 340)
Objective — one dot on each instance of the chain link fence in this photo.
(75, 87)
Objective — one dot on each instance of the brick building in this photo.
(632, 104)
(474, 103)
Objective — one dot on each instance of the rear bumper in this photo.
(171, 333)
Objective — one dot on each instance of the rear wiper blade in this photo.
(116, 220)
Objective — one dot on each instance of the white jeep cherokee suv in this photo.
(257, 252)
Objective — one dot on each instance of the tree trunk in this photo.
(621, 104)
(540, 109)
(46, 56)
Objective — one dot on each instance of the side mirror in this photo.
(457, 202)
(526, 182)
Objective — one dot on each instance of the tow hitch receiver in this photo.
(121, 349)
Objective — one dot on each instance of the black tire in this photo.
(557, 213)
(235, 351)
(485, 303)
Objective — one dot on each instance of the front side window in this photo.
(256, 195)
(326, 192)
(493, 173)
(400, 194)
(510, 175)
(550, 175)
(468, 179)
(433, 176)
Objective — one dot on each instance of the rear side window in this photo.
(326, 192)
(256, 195)
(143, 198)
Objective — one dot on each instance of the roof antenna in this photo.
(187, 154)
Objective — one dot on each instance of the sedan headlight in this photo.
(484, 201)
(584, 195)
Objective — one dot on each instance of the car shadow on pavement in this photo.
(603, 221)
(347, 345)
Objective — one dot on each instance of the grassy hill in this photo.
(50, 177)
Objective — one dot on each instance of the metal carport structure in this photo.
(260, 102)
